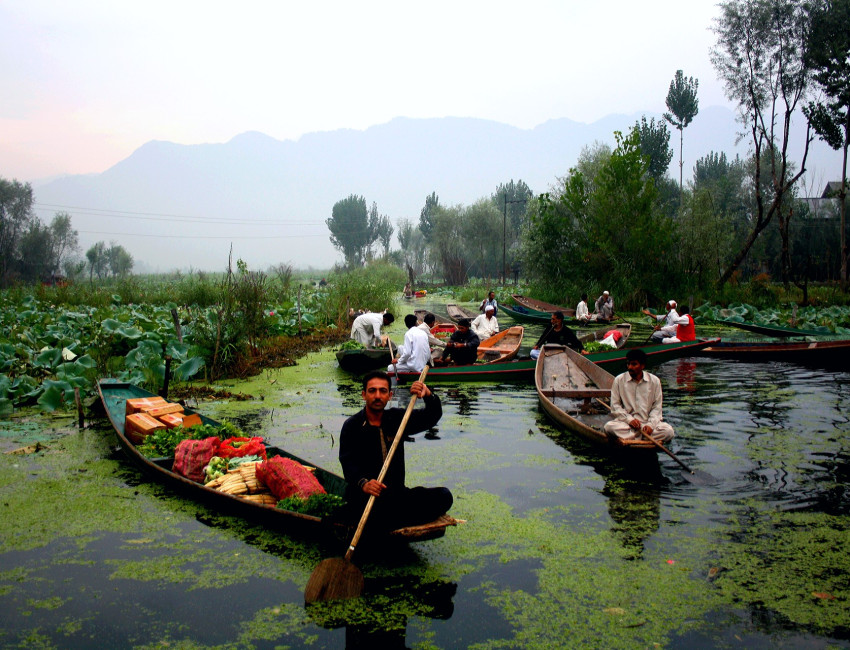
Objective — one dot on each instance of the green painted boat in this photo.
(775, 330)
(114, 395)
(523, 369)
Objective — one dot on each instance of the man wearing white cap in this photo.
(486, 324)
(670, 319)
(604, 308)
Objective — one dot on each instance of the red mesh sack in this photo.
(191, 456)
(238, 447)
(284, 477)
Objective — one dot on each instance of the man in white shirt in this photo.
(636, 402)
(670, 320)
(427, 323)
(366, 328)
(491, 301)
(582, 312)
(414, 353)
(486, 324)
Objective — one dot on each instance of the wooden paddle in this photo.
(695, 476)
(337, 578)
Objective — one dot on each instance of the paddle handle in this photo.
(653, 441)
(398, 436)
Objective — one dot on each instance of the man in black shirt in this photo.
(559, 334)
(462, 348)
(366, 438)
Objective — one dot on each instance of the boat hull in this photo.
(567, 383)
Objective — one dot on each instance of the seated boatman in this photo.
(669, 319)
(685, 329)
(414, 353)
(364, 441)
(636, 402)
(462, 348)
(559, 334)
(486, 324)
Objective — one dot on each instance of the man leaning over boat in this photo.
(636, 401)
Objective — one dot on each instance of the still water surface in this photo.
(564, 545)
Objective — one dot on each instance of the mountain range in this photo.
(175, 206)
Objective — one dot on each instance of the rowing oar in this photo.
(693, 475)
(337, 578)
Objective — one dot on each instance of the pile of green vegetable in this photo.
(163, 442)
(318, 505)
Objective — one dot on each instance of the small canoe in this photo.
(114, 396)
(567, 383)
(456, 313)
(835, 352)
(538, 305)
(523, 315)
(625, 329)
(422, 313)
(502, 346)
(363, 360)
(775, 330)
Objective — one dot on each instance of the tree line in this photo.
(617, 219)
(32, 252)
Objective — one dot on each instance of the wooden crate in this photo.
(138, 426)
(140, 404)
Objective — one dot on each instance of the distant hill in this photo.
(270, 198)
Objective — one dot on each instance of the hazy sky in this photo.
(85, 83)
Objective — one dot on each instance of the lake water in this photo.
(564, 545)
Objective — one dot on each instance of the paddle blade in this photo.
(334, 579)
(698, 477)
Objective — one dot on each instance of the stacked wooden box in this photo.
(148, 414)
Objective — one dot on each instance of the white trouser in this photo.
(662, 433)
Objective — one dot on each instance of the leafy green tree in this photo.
(380, 228)
(683, 105)
(828, 56)
(759, 55)
(350, 231)
(448, 243)
(98, 260)
(655, 145)
(606, 229)
(412, 243)
(16, 214)
(35, 246)
(64, 241)
(426, 217)
(512, 200)
(119, 261)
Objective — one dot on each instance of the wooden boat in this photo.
(456, 313)
(523, 369)
(567, 383)
(775, 330)
(533, 304)
(114, 395)
(833, 352)
(502, 346)
(625, 329)
(422, 313)
(364, 359)
(523, 315)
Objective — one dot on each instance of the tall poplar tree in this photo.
(684, 106)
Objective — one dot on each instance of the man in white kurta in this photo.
(415, 353)
(366, 328)
(670, 320)
(486, 324)
(428, 322)
(582, 312)
(636, 402)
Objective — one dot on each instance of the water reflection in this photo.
(633, 486)
(380, 619)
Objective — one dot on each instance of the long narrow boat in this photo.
(523, 315)
(114, 396)
(457, 313)
(834, 352)
(538, 305)
(523, 369)
(775, 330)
(625, 330)
(364, 359)
(422, 313)
(567, 383)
